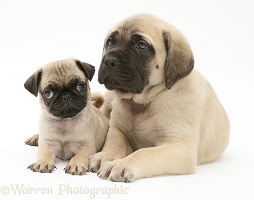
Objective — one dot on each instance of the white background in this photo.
(34, 33)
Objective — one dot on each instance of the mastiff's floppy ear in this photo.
(86, 68)
(32, 83)
(179, 60)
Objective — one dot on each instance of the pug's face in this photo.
(65, 101)
(141, 51)
(63, 87)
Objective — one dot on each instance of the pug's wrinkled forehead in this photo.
(61, 73)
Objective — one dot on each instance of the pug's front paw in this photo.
(42, 167)
(76, 169)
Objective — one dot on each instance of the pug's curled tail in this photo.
(97, 99)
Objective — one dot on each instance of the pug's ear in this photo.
(33, 82)
(86, 68)
(179, 58)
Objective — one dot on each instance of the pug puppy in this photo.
(70, 126)
(164, 115)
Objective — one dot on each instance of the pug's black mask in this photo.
(67, 101)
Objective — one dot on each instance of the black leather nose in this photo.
(66, 97)
(111, 61)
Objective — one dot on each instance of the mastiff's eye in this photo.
(142, 45)
(109, 42)
(81, 87)
(48, 94)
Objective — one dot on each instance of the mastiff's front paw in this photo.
(96, 160)
(118, 171)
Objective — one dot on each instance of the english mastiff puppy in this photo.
(165, 117)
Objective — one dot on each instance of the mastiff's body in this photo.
(165, 116)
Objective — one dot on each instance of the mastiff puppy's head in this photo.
(63, 87)
(144, 51)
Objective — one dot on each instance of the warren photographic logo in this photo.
(64, 189)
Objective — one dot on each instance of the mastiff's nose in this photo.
(111, 61)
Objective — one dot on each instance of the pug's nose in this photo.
(111, 61)
(66, 97)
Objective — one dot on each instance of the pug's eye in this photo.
(109, 42)
(81, 87)
(142, 45)
(48, 94)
